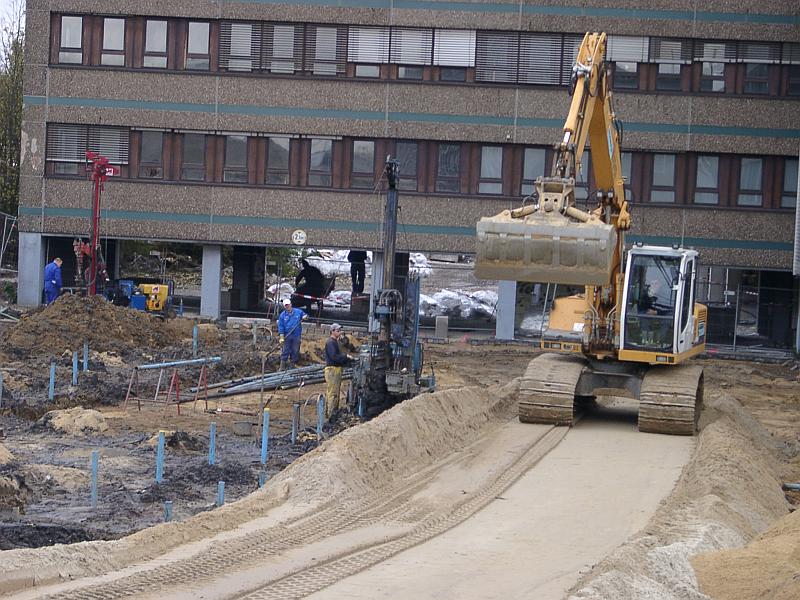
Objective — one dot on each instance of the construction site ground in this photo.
(446, 495)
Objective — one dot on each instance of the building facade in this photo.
(238, 122)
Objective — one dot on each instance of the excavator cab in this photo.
(658, 310)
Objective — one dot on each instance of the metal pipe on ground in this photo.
(180, 363)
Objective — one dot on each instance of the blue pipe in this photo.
(220, 493)
(212, 444)
(160, 457)
(51, 390)
(167, 511)
(85, 356)
(75, 368)
(180, 363)
(264, 437)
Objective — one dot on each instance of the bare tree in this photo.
(12, 50)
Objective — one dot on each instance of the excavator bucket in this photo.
(544, 247)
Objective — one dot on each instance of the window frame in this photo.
(323, 174)
(748, 79)
(453, 180)
(712, 78)
(744, 192)
(235, 173)
(271, 170)
(788, 176)
(113, 52)
(407, 183)
(663, 188)
(155, 54)
(197, 56)
(698, 189)
(362, 179)
(487, 183)
(156, 168)
(530, 182)
(187, 166)
(632, 76)
(70, 50)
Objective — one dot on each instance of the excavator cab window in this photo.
(650, 311)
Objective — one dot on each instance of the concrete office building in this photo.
(238, 122)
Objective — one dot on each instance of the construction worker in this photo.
(290, 328)
(358, 269)
(52, 281)
(335, 359)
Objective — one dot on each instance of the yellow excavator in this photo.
(631, 330)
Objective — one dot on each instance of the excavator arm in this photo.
(552, 240)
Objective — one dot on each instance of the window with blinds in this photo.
(670, 51)
(454, 48)
(540, 58)
(368, 45)
(411, 46)
(325, 50)
(66, 145)
(496, 56)
(569, 55)
(282, 48)
(622, 48)
(758, 52)
(240, 46)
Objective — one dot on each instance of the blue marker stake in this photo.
(75, 368)
(85, 356)
(194, 341)
(212, 444)
(160, 457)
(264, 437)
(320, 416)
(295, 419)
(95, 461)
(361, 408)
(51, 391)
(220, 493)
(167, 511)
(262, 479)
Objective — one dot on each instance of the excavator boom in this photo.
(551, 240)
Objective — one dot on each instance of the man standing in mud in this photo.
(335, 359)
(52, 281)
(290, 326)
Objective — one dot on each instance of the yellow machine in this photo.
(156, 296)
(637, 321)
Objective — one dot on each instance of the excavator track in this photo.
(547, 389)
(670, 399)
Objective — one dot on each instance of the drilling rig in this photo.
(389, 368)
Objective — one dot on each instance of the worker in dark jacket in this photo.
(335, 359)
(289, 328)
(309, 281)
(52, 281)
(358, 269)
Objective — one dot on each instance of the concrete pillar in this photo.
(506, 309)
(211, 285)
(31, 269)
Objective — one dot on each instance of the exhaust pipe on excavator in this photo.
(550, 241)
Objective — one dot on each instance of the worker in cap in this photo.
(52, 280)
(335, 360)
(290, 328)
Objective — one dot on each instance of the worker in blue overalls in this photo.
(52, 281)
(290, 327)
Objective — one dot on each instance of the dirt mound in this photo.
(187, 481)
(5, 456)
(729, 493)
(74, 421)
(764, 569)
(179, 441)
(14, 492)
(69, 321)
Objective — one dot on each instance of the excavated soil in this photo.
(56, 329)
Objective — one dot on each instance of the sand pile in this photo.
(70, 320)
(767, 568)
(74, 421)
(729, 493)
(5, 456)
(364, 459)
